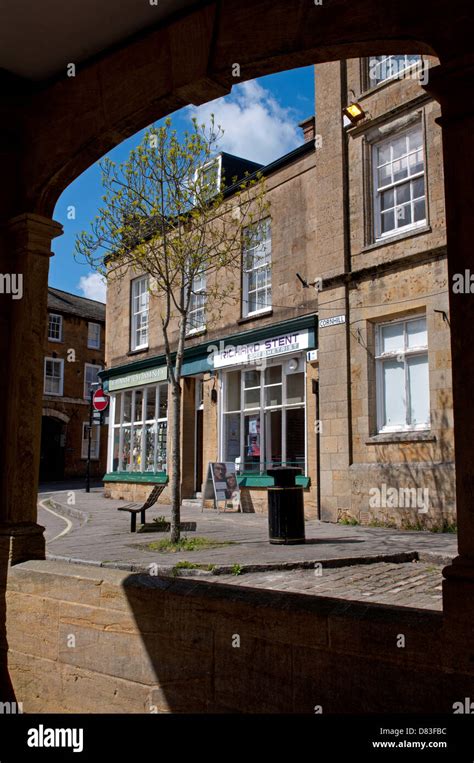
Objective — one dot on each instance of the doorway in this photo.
(53, 442)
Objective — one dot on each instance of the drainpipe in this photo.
(347, 251)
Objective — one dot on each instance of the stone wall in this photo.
(378, 281)
(92, 640)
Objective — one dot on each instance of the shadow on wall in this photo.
(424, 480)
(209, 648)
(246, 501)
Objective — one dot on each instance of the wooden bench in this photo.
(136, 508)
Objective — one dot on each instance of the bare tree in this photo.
(168, 214)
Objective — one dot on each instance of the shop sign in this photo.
(243, 354)
(138, 378)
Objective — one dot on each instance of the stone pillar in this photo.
(25, 248)
(452, 85)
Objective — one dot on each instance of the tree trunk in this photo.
(176, 462)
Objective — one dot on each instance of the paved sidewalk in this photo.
(100, 534)
(350, 562)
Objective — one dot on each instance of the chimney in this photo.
(309, 128)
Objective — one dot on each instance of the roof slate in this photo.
(64, 302)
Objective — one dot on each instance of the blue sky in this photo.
(260, 121)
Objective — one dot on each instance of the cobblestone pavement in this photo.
(358, 562)
(413, 584)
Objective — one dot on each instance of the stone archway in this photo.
(62, 127)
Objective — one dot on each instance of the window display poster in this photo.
(221, 484)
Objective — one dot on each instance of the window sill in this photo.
(147, 477)
(395, 437)
(197, 332)
(399, 237)
(400, 77)
(138, 352)
(264, 480)
(255, 316)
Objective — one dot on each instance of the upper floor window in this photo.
(382, 68)
(257, 271)
(139, 313)
(90, 377)
(399, 183)
(403, 391)
(93, 336)
(197, 304)
(53, 376)
(55, 328)
(209, 177)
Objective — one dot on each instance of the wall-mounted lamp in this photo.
(354, 112)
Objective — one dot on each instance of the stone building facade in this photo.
(74, 353)
(360, 397)
(385, 373)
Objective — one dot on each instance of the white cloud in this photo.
(93, 286)
(255, 125)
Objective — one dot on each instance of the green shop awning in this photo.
(199, 358)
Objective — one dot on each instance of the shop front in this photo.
(266, 405)
(138, 428)
(247, 398)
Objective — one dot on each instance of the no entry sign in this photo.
(100, 401)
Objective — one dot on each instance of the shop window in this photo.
(139, 313)
(399, 183)
(403, 392)
(257, 273)
(95, 441)
(55, 328)
(53, 376)
(269, 428)
(139, 434)
(90, 377)
(93, 336)
(383, 68)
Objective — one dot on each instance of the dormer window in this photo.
(209, 177)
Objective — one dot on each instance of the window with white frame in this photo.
(399, 183)
(55, 327)
(139, 313)
(90, 377)
(403, 390)
(95, 441)
(139, 430)
(197, 305)
(257, 268)
(382, 68)
(93, 336)
(53, 376)
(264, 416)
(209, 177)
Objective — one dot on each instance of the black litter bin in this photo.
(285, 507)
